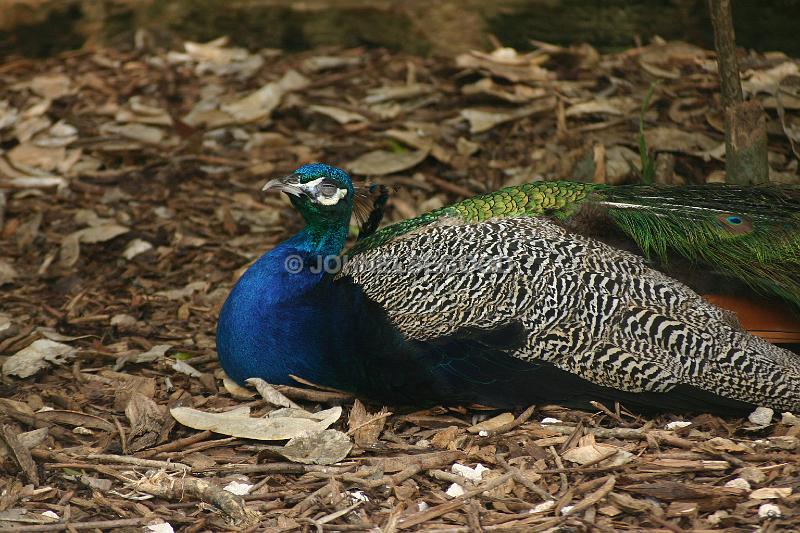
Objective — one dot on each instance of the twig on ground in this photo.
(136, 461)
(519, 477)
(594, 497)
(175, 486)
(176, 445)
(103, 525)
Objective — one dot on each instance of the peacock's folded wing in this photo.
(586, 309)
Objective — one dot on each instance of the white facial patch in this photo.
(332, 200)
(314, 190)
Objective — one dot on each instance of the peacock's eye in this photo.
(734, 219)
(328, 189)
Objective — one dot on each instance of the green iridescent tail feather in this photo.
(749, 233)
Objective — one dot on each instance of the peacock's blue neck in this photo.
(276, 320)
(319, 239)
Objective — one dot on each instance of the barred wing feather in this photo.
(588, 309)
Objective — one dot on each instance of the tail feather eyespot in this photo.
(735, 223)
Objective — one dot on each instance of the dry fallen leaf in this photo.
(29, 154)
(52, 86)
(770, 79)
(380, 162)
(76, 418)
(215, 51)
(259, 104)
(7, 327)
(670, 53)
(156, 352)
(135, 132)
(7, 273)
(620, 105)
(727, 445)
(365, 427)
(402, 92)
(185, 368)
(240, 489)
(320, 63)
(493, 423)
(506, 63)
(517, 94)
(445, 439)
(771, 493)
(271, 394)
(28, 439)
(236, 390)
(70, 246)
(278, 425)
(342, 116)
(676, 140)
(789, 419)
(102, 233)
(8, 114)
(139, 111)
(13, 178)
(591, 452)
(20, 453)
(481, 120)
(188, 290)
(28, 127)
(36, 357)
(146, 420)
(136, 247)
(319, 448)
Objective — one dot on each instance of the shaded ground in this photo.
(444, 27)
(130, 204)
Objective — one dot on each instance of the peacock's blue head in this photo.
(320, 192)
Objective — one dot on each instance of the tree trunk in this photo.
(745, 124)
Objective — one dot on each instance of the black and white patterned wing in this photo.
(585, 307)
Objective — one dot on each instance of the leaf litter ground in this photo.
(130, 203)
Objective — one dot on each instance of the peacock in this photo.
(548, 292)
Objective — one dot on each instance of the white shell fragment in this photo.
(238, 488)
(543, 507)
(455, 490)
(163, 527)
(472, 474)
(677, 424)
(762, 416)
(738, 483)
(769, 510)
(550, 420)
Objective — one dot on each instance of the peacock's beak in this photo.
(289, 184)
